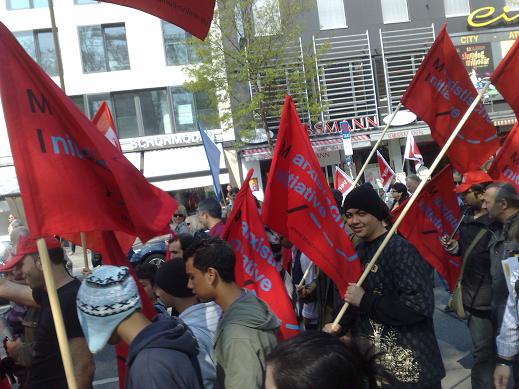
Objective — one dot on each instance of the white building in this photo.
(134, 61)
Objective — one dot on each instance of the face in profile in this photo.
(199, 282)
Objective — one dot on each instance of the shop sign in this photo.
(161, 141)
(486, 16)
(334, 126)
(401, 134)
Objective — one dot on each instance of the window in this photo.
(267, 17)
(513, 5)
(456, 7)
(104, 48)
(94, 102)
(39, 44)
(85, 2)
(394, 11)
(26, 4)
(206, 112)
(184, 110)
(178, 51)
(142, 113)
(331, 14)
(80, 102)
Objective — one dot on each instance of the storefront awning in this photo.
(319, 145)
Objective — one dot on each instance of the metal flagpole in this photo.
(413, 198)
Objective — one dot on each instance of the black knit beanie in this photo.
(366, 199)
(171, 277)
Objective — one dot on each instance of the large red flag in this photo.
(299, 204)
(342, 182)
(255, 265)
(105, 123)
(505, 166)
(435, 213)
(440, 93)
(386, 173)
(194, 16)
(71, 177)
(506, 77)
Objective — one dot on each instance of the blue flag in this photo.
(213, 157)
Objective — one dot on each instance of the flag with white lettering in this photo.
(343, 183)
(193, 16)
(300, 206)
(435, 213)
(505, 166)
(386, 173)
(439, 94)
(256, 269)
(412, 153)
(72, 179)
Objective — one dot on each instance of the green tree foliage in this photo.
(252, 59)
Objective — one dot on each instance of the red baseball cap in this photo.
(25, 246)
(472, 178)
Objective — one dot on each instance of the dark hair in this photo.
(185, 240)
(57, 256)
(234, 191)
(400, 188)
(146, 271)
(211, 206)
(315, 360)
(480, 188)
(337, 196)
(215, 253)
(506, 192)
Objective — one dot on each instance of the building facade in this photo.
(371, 52)
(134, 62)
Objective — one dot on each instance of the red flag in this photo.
(440, 93)
(299, 204)
(71, 177)
(386, 173)
(255, 265)
(342, 182)
(194, 16)
(412, 152)
(435, 213)
(505, 77)
(105, 123)
(505, 166)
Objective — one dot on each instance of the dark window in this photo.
(142, 113)
(104, 48)
(94, 102)
(80, 102)
(25, 4)
(39, 44)
(178, 51)
(206, 111)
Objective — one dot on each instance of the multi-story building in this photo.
(134, 61)
(372, 51)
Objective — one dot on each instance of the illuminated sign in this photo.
(334, 126)
(485, 16)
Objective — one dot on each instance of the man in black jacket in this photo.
(392, 311)
(476, 283)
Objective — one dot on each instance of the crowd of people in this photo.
(208, 332)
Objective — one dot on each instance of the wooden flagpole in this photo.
(307, 271)
(56, 314)
(86, 269)
(413, 198)
(374, 149)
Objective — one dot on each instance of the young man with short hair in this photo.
(247, 332)
(201, 318)
(393, 309)
(161, 354)
(145, 273)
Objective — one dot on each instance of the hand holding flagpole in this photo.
(413, 198)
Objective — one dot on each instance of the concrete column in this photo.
(395, 155)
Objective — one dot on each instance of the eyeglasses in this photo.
(178, 215)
